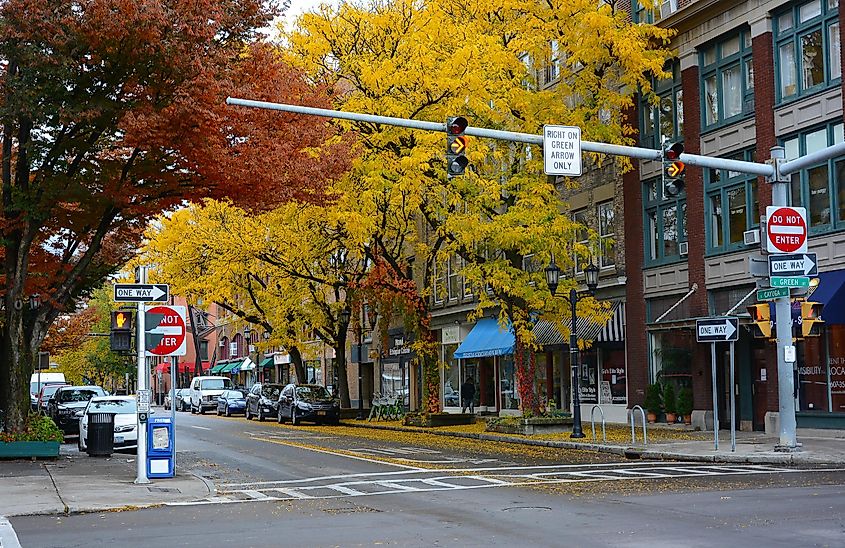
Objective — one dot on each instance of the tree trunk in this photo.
(342, 380)
(298, 364)
(524, 378)
(430, 373)
(20, 343)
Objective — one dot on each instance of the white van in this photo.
(205, 390)
(36, 381)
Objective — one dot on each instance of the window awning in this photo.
(831, 293)
(266, 363)
(246, 365)
(547, 334)
(486, 339)
(229, 366)
(614, 329)
(219, 367)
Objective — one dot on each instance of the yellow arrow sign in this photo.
(674, 169)
(458, 144)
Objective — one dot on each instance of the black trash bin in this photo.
(100, 434)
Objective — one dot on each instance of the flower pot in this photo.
(652, 417)
(687, 419)
(671, 418)
(29, 449)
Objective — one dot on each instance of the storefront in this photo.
(395, 368)
(485, 357)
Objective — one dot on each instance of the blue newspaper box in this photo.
(160, 448)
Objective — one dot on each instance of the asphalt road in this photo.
(279, 485)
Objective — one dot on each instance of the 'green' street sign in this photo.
(781, 281)
(774, 293)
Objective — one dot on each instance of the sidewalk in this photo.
(78, 483)
(818, 447)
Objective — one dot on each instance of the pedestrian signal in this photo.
(761, 316)
(121, 320)
(811, 319)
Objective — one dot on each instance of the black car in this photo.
(263, 401)
(310, 402)
(67, 400)
(230, 402)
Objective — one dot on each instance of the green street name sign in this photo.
(781, 281)
(770, 294)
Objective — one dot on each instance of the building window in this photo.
(438, 285)
(582, 240)
(204, 350)
(607, 252)
(807, 57)
(727, 79)
(665, 223)
(821, 188)
(454, 279)
(642, 14)
(732, 205)
(665, 120)
(551, 71)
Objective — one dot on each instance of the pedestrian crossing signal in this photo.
(121, 320)
(811, 319)
(761, 315)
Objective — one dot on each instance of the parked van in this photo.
(205, 390)
(36, 381)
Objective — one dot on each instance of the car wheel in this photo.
(201, 409)
(219, 412)
(260, 415)
(294, 420)
(246, 413)
(192, 410)
(79, 444)
(228, 411)
(279, 417)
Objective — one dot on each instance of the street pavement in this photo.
(255, 484)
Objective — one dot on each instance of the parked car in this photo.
(231, 402)
(263, 401)
(183, 399)
(67, 400)
(45, 394)
(37, 381)
(205, 391)
(310, 402)
(125, 420)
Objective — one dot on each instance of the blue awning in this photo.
(831, 293)
(486, 339)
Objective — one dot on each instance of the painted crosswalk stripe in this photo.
(8, 537)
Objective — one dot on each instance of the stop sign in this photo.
(786, 229)
(165, 330)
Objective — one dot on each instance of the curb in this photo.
(630, 452)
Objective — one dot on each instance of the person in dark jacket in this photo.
(468, 396)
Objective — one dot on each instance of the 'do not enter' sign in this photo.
(786, 229)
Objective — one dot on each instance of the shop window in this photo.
(313, 372)
(607, 233)
(732, 205)
(727, 79)
(807, 48)
(451, 376)
(820, 188)
(603, 379)
(665, 223)
(663, 121)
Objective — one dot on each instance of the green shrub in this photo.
(38, 428)
(684, 406)
(653, 400)
(669, 404)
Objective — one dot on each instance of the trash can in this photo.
(100, 434)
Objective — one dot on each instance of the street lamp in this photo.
(247, 334)
(373, 318)
(591, 275)
(345, 317)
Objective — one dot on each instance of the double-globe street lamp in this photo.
(591, 277)
(346, 315)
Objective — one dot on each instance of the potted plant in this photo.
(684, 406)
(39, 438)
(669, 404)
(653, 404)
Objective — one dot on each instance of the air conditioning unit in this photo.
(222, 343)
(683, 249)
(751, 237)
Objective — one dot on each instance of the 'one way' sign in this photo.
(717, 329)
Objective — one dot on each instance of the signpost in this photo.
(165, 333)
(786, 229)
(141, 293)
(562, 150)
(716, 330)
(798, 264)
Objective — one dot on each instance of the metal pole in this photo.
(733, 403)
(577, 432)
(715, 397)
(143, 377)
(783, 323)
(174, 366)
(360, 416)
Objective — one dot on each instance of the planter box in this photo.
(445, 419)
(529, 427)
(29, 449)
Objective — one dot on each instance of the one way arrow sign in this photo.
(796, 264)
(141, 293)
(717, 330)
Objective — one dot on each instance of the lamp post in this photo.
(248, 340)
(591, 275)
(372, 318)
(345, 317)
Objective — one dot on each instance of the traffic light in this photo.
(761, 315)
(456, 145)
(673, 169)
(811, 319)
(120, 337)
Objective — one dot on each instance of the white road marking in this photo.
(199, 427)
(328, 452)
(8, 537)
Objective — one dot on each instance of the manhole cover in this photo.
(512, 508)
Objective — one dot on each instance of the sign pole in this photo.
(715, 397)
(733, 402)
(173, 370)
(143, 379)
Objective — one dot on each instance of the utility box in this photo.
(161, 462)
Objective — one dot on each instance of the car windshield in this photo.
(78, 394)
(112, 406)
(48, 391)
(312, 393)
(271, 392)
(215, 384)
(234, 395)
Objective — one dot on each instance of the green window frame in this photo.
(732, 206)
(665, 120)
(807, 49)
(820, 188)
(664, 224)
(727, 80)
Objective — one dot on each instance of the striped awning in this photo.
(614, 329)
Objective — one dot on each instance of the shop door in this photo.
(760, 372)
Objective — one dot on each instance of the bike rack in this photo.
(633, 435)
(593, 423)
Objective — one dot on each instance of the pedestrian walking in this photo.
(468, 396)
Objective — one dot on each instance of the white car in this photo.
(205, 391)
(125, 420)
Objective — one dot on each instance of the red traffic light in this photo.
(456, 125)
(674, 152)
